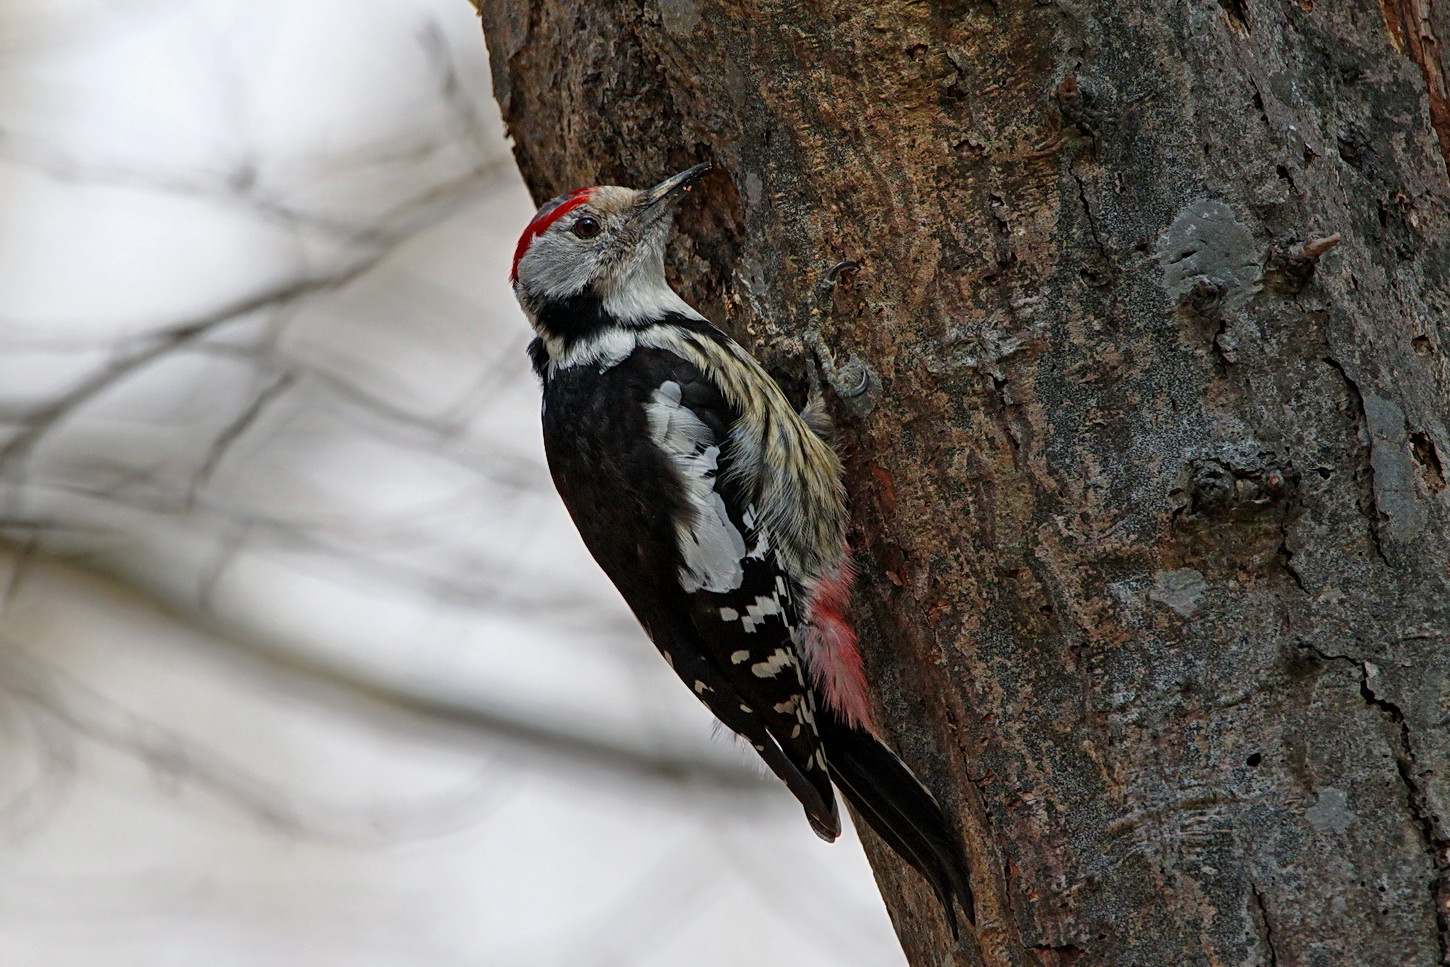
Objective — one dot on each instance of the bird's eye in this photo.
(587, 226)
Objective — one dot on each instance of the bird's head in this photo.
(601, 246)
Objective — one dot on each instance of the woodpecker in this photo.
(716, 509)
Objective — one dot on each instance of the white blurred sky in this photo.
(348, 469)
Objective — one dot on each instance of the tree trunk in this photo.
(1146, 472)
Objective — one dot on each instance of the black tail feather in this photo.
(902, 811)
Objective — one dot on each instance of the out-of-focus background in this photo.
(301, 661)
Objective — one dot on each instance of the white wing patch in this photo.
(755, 614)
(778, 659)
(713, 547)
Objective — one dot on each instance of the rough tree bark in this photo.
(1148, 474)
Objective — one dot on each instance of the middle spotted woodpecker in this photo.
(716, 509)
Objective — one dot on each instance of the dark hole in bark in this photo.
(1429, 460)
(1350, 151)
(1237, 15)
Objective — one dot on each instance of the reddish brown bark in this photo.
(1411, 25)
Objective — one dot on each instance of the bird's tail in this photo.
(903, 812)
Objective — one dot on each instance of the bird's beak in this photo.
(672, 186)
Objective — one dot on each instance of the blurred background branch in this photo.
(300, 660)
(359, 692)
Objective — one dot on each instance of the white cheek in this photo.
(646, 297)
(639, 293)
(557, 267)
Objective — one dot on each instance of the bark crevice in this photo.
(1429, 824)
(1267, 927)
